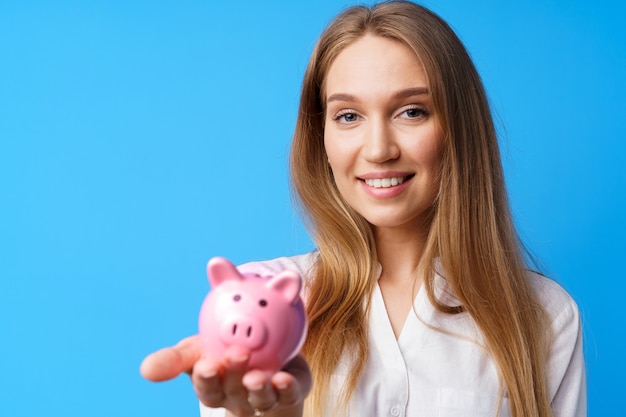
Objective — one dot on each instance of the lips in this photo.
(385, 180)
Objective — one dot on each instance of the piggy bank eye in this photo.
(237, 297)
(263, 303)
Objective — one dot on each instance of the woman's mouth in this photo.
(386, 182)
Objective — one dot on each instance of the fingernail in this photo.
(239, 358)
(255, 387)
(206, 372)
(237, 354)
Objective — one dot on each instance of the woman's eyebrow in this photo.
(341, 97)
(409, 92)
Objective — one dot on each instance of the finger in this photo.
(235, 366)
(170, 362)
(261, 394)
(294, 383)
(207, 384)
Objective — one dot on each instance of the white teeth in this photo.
(384, 182)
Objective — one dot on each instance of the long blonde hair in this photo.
(472, 233)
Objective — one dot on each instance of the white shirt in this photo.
(428, 372)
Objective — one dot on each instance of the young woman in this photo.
(419, 298)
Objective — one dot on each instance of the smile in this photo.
(385, 182)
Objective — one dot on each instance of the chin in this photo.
(400, 220)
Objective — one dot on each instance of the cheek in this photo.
(434, 162)
(334, 151)
(433, 156)
(339, 160)
(342, 146)
(429, 151)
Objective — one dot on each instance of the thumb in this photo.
(168, 363)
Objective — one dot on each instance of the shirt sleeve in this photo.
(566, 366)
(299, 263)
(212, 412)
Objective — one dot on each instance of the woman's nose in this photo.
(379, 143)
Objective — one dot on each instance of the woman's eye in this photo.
(346, 117)
(414, 113)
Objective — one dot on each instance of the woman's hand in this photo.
(170, 362)
(227, 383)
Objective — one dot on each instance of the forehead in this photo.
(374, 64)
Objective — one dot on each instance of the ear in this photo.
(220, 270)
(288, 283)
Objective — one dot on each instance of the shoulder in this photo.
(299, 263)
(565, 365)
(561, 308)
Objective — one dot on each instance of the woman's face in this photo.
(381, 136)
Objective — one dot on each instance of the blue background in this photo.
(140, 138)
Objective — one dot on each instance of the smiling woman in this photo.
(418, 295)
(382, 141)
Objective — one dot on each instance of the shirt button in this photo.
(395, 411)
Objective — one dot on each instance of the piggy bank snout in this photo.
(244, 331)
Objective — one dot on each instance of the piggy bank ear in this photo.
(287, 283)
(220, 270)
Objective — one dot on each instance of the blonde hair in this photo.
(472, 235)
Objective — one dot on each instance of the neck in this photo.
(400, 253)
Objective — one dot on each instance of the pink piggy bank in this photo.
(264, 315)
